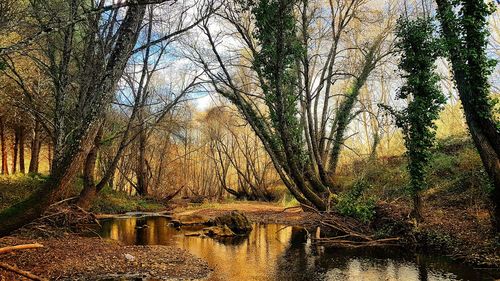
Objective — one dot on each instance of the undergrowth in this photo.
(114, 202)
(17, 187)
(355, 203)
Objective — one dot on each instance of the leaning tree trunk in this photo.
(89, 190)
(51, 191)
(467, 60)
(69, 154)
(3, 144)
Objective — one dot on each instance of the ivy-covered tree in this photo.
(464, 27)
(285, 86)
(419, 51)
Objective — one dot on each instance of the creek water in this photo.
(276, 252)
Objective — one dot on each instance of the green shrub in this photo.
(434, 239)
(386, 181)
(353, 203)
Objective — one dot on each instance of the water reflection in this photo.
(275, 252)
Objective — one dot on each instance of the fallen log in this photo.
(172, 195)
(9, 249)
(21, 272)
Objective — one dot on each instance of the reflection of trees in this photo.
(142, 231)
(236, 240)
(423, 274)
(299, 260)
(272, 252)
(303, 261)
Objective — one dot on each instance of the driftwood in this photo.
(173, 194)
(21, 272)
(8, 249)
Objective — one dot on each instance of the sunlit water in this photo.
(276, 252)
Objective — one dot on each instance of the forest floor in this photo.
(464, 234)
(82, 258)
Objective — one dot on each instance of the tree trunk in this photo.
(15, 149)
(142, 169)
(69, 154)
(3, 144)
(89, 190)
(417, 207)
(49, 155)
(470, 85)
(36, 144)
(22, 169)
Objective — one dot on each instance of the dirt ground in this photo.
(80, 258)
(454, 230)
(256, 211)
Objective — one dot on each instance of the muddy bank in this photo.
(463, 234)
(256, 212)
(81, 258)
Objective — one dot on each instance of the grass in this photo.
(455, 168)
(17, 187)
(114, 202)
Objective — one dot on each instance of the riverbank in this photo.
(82, 258)
(261, 212)
(450, 231)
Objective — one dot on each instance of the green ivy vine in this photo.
(419, 50)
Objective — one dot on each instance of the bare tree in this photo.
(302, 124)
(84, 75)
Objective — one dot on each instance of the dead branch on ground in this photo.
(348, 232)
(9, 249)
(21, 272)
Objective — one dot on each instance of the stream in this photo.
(276, 252)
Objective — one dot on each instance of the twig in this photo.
(65, 200)
(9, 249)
(282, 228)
(289, 208)
(310, 208)
(21, 272)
